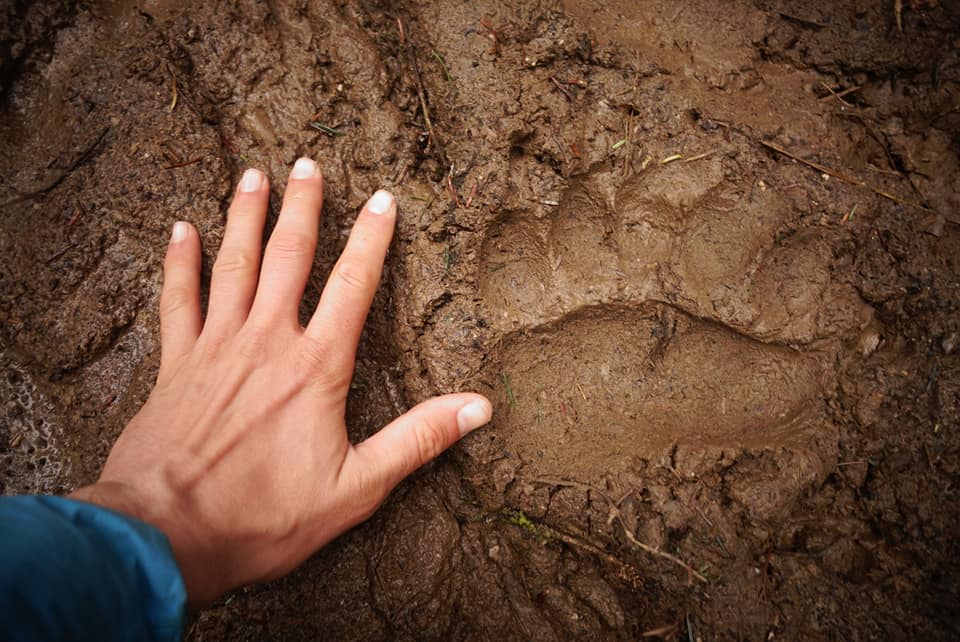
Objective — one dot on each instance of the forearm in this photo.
(76, 571)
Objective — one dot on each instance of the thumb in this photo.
(415, 438)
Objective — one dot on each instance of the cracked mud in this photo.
(695, 345)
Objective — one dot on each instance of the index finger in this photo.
(342, 311)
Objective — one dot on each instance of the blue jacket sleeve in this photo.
(75, 571)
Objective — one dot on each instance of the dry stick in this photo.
(844, 177)
(700, 156)
(173, 81)
(615, 514)
(494, 36)
(473, 193)
(885, 145)
(596, 550)
(81, 158)
(838, 94)
(562, 89)
(834, 94)
(882, 141)
(421, 94)
(661, 631)
(453, 190)
(183, 163)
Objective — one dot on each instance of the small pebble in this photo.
(949, 343)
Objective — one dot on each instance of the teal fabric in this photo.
(75, 571)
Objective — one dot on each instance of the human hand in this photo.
(240, 455)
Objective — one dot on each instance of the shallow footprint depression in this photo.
(586, 395)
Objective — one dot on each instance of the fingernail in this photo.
(380, 202)
(180, 230)
(251, 181)
(473, 415)
(303, 168)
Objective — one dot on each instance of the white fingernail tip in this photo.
(380, 202)
(251, 181)
(473, 415)
(180, 230)
(303, 168)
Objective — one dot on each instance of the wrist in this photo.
(122, 498)
(114, 496)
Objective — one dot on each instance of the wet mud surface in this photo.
(726, 380)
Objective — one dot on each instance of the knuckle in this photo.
(319, 370)
(431, 440)
(291, 245)
(210, 346)
(354, 274)
(231, 261)
(175, 298)
(313, 354)
(253, 341)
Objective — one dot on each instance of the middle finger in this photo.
(289, 254)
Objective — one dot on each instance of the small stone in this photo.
(935, 225)
(949, 342)
(869, 340)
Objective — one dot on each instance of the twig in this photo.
(76, 215)
(81, 158)
(421, 94)
(473, 194)
(493, 35)
(443, 66)
(848, 90)
(616, 515)
(175, 93)
(563, 90)
(627, 164)
(802, 21)
(60, 253)
(559, 145)
(834, 94)
(845, 177)
(664, 631)
(183, 164)
(506, 384)
(327, 129)
(453, 190)
(880, 139)
(849, 215)
(544, 531)
(656, 551)
(700, 156)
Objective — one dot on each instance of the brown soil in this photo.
(733, 359)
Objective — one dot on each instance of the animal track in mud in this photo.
(684, 236)
(640, 319)
(593, 390)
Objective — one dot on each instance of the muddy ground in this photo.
(702, 256)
